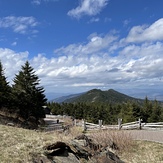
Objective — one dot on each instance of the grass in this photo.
(144, 152)
(129, 150)
(18, 145)
(122, 140)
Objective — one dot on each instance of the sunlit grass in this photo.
(18, 145)
(144, 152)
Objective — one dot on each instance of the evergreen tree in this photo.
(28, 95)
(156, 112)
(146, 110)
(5, 89)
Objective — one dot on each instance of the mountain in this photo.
(97, 95)
(64, 98)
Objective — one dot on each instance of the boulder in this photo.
(82, 150)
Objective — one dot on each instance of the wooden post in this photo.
(84, 125)
(75, 122)
(100, 123)
(119, 123)
(139, 124)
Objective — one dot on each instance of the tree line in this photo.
(148, 111)
(25, 96)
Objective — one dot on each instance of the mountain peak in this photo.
(99, 96)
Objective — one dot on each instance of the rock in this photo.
(106, 157)
(70, 158)
(41, 159)
(57, 145)
(89, 142)
(10, 124)
(82, 149)
(61, 152)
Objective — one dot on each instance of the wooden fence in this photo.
(122, 126)
(51, 120)
(153, 126)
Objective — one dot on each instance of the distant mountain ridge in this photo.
(97, 95)
(64, 98)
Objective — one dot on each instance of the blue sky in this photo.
(78, 45)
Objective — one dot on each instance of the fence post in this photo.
(75, 122)
(84, 125)
(100, 123)
(140, 127)
(119, 123)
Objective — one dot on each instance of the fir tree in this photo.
(156, 112)
(5, 89)
(28, 95)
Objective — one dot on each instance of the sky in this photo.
(78, 45)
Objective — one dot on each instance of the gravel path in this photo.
(53, 124)
(156, 136)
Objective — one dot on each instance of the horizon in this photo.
(76, 46)
(142, 97)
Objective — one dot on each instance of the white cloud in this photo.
(80, 67)
(87, 84)
(38, 2)
(126, 22)
(12, 61)
(94, 20)
(88, 7)
(20, 24)
(14, 43)
(142, 33)
(96, 44)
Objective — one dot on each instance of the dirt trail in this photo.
(53, 124)
(156, 136)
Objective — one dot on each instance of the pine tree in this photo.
(5, 89)
(156, 112)
(28, 95)
(146, 110)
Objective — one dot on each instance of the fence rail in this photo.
(125, 126)
(91, 126)
(153, 126)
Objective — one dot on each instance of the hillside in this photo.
(64, 98)
(97, 95)
(22, 145)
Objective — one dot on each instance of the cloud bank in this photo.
(103, 61)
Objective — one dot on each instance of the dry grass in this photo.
(119, 141)
(19, 145)
(129, 150)
(144, 152)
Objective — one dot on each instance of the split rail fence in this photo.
(122, 126)
(56, 123)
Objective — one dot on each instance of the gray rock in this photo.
(80, 150)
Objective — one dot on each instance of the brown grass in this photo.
(18, 145)
(144, 152)
(119, 141)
